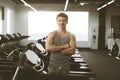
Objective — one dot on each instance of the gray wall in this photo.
(109, 12)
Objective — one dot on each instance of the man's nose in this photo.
(62, 22)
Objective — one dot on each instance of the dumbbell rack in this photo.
(80, 70)
(7, 69)
(8, 42)
(80, 67)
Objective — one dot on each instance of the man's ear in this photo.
(67, 22)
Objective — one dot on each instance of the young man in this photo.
(61, 43)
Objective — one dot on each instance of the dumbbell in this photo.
(89, 75)
(77, 67)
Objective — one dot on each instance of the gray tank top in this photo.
(58, 58)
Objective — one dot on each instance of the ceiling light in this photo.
(82, 4)
(99, 8)
(104, 6)
(110, 2)
(66, 5)
(28, 5)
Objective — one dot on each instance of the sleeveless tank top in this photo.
(58, 58)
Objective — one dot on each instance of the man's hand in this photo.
(66, 46)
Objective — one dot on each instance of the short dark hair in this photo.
(63, 15)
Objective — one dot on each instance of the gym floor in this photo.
(106, 67)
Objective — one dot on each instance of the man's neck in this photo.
(62, 31)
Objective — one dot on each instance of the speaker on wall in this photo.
(3, 12)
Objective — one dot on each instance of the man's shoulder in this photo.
(52, 33)
(71, 34)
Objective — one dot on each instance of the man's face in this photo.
(62, 21)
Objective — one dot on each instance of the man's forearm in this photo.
(68, 51)
(54, 48)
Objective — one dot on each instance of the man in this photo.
(62, 44)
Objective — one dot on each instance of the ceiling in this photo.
(88, 2)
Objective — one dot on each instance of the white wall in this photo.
(8, 4)
(94, 21)
(1, 21)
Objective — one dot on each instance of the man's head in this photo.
(63, 15)
(62, 20)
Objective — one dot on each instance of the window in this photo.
(1, 26)
(41, 23)
(1, 21)
(9, 20)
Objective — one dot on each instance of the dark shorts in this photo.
(62, 70)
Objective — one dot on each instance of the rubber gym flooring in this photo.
(106, 67)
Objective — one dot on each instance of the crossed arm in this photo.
(65, 49)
